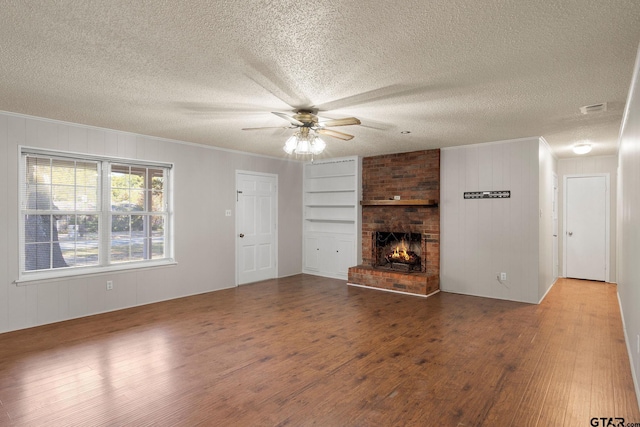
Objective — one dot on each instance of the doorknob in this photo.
(571, 233)
(241, 235)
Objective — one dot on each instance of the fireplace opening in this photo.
(397, 251)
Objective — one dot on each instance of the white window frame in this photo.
(104, 265)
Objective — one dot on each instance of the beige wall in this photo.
(204, 187)
(629, 223)
(547, 166)
(480, 238)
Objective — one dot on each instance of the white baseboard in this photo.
(634, 374)
(550, 287)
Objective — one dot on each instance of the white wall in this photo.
(629, 222)
(480, 238)
(587, 165)
(204, 186)
(547, 166)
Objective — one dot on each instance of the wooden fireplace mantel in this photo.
(414, 202)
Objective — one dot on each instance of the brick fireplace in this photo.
(415, 178)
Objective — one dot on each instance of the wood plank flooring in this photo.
(306, 350)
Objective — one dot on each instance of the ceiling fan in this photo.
(307, 120)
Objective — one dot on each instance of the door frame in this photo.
(607, 214)
(236, 228)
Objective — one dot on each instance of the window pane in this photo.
(63, 172)
(157, 201)
(88, 226)
(37, 228)
(85, 252)
(87, 174)
(137, 177)
(120, 223)
(157, 179)
(87, 198)
(78, 227)
(137, 225)
(157, 225)
(120, 250)
(79, 239)
(37, 168)
(157, 247)
(64, 197)
(119, 187)
(55, 236)
(39, 197)
(157, 237)
(37, 256)
(137, 249)
(136, 200)
(42, 247)
(120, 176)
(120, 238)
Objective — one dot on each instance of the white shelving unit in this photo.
(332, 213)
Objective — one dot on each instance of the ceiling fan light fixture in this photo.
(306, 139)
(304, 146)
(304, 142)
(318, 145)
(582, 148)
(291, 144)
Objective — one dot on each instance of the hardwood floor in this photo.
(306, 350)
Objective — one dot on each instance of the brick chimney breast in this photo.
(411, 176)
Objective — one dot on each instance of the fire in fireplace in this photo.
(397, 251)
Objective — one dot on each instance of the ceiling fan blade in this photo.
(335, 134)
(340, 122)
(292, 120)
(271, 127)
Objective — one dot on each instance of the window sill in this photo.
(56, 276)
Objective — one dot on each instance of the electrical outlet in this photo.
(227, 212)
(503, 276)
(109, 285)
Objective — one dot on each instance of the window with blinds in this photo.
(138, 213)
(83, 214)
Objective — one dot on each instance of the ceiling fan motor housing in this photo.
(309, 119)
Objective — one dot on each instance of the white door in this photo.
(256, 216)
(586, 237)
(345, 255)
(311, 253)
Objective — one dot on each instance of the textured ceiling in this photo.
(451, 72)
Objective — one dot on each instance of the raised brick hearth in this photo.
(412, 176)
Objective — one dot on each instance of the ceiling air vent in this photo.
(595, 108)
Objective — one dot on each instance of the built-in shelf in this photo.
(340, 190)
(331, 176)
(345, 220)
(415, 202)
(331, 214)
(317, 205)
